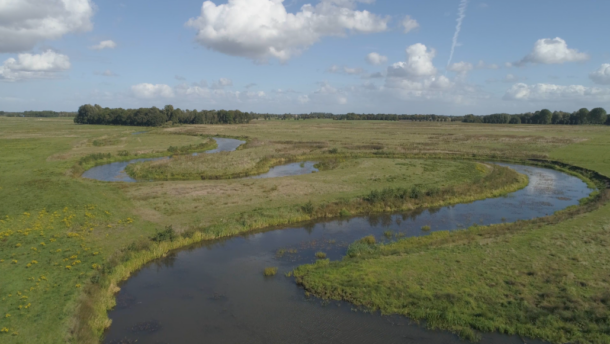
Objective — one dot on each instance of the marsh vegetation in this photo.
(372, 167)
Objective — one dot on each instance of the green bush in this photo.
(165, 235)
(94, 157)
(308, 208)
(320, 255)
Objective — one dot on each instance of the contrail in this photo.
(458, 27)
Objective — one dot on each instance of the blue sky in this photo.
(302, 56)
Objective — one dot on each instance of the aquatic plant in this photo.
(270, 271)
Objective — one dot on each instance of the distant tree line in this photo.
(154, 117)
(392, 117)
(582, 116)
(38, 114)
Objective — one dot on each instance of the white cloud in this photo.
(104, 45)
(24, 23)
(409, 24)
(345, 70)
(483, 65)
(34, 66)
(552, 51)
(263, 29)
(602, 75)
(417, 77)
(149, 91)
(548, 92)
(461, 67)
(221, 83)
(376, 59)
(418, 64)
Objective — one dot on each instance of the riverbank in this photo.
(554, 289)
(497, 182)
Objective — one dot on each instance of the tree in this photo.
(545, 117)
(582, 116)
(168, 111)
(597, 116)
(515, 120)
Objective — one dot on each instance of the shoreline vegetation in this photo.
(517, 303)
(42, 155)
(97, 159)
(101, 297)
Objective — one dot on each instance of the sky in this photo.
(446, 57)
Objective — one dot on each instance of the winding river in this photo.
(115, 172)
(215, 292)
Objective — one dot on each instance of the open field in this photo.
(40, 159)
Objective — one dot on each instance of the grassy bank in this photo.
(36, 173)
(489, 182)
(545, 278)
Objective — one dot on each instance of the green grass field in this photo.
(66, 242)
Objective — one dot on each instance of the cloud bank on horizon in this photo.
(302, 56)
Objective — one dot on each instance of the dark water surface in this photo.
(216, 293)
(115, 172)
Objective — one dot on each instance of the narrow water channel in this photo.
(115, 172)
(215, 292)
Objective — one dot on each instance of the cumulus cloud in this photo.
(461, 67)
(552, 51)
(602, 75)
(104, 45)
(418, 64)
(34, 66)
(149, 91)
(263, 29)
(24, 23)
(376, 59)
(221, 83)
(417, 77)
(409, 24)
(547, 92)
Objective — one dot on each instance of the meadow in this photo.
(66, 242)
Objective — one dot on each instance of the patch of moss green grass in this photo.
(37, 177)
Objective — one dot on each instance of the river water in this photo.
(215, 292)
(115, 172)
